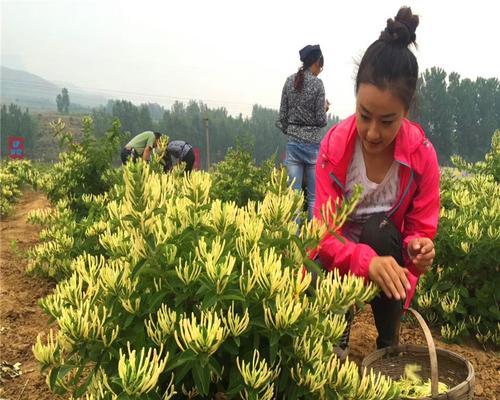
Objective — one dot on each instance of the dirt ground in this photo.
(21, 319)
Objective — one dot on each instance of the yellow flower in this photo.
(139, 373)
(257, 374)
(203, 337)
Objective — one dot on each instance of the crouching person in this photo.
(140, 146)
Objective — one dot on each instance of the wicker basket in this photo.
(454, 370)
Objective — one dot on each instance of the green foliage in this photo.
(65, 235)
(461, 293)
(193, 295)
(133, 119)
(489, 166)
(62, 101)
(12, 175)
(238, 179)
(84, 168)
(457, 114)
(15, 122)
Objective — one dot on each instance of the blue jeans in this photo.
(300, 158)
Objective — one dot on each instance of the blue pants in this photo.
(301, 158)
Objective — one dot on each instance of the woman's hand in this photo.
(391, 278)
(421, 252)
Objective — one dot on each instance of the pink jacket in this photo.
(415, 213)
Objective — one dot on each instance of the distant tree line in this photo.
(16, 122)
(187, 122)
(458, 115)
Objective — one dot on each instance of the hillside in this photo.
(35, 92)
(47, 145)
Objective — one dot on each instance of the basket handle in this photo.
(432, 351)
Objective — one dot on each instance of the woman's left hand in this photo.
(421, 252)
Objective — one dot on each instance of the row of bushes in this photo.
(166, 289)
(178, 284)
(460, 293)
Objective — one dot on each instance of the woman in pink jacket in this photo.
(388, 239)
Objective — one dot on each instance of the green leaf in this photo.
(124, 396)
(233, 295)
(137, 268)
(156, 300)
(53, 378)
(80, 390)
(273, 346)
(180, 373)
(201, 378)
(181, 358)
(313, 267)
(231, 347)
(235, 382)
(209, 301)
(215, 367)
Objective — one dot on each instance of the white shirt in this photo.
(375, 197)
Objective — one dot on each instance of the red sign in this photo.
(196, 151)
(16, 147)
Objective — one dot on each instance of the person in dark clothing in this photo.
(178, 151)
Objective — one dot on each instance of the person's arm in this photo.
(282, 122)
(421, 221)
(357, 258)
(320, 106)
(146, 155)
(346, 256)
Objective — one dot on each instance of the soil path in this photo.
(21, 319)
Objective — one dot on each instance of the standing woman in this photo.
(389, 236)
(301, 117)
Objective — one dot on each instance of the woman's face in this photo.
(316, 68)
(379, 114)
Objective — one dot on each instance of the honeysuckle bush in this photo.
(64, 235)
(461, 292)
(13, 173)
(237, 178)
(489, 166)
(84, 168)
(193, 296)
(78, 186)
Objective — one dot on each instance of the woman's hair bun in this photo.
(401, 29)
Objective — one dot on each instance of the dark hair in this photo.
(312, 57)
(388, 62)
(157, 134)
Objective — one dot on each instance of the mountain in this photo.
(33, 91)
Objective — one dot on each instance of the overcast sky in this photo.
(232, 53)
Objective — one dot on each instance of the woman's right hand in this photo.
(391, 278)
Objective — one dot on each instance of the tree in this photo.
(15, 122)
(62, 101)
(145, 120)
(434, 113)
